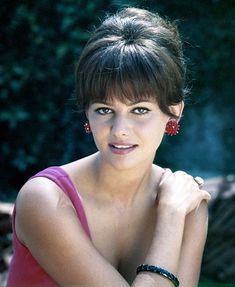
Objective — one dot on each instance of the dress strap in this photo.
(59, 176)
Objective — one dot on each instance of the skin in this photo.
(137, 212)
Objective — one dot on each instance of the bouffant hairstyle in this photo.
(134, 55)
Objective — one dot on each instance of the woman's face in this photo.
(127, 135)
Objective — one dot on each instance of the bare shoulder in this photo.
(38, 188)
(37, 202)
(46, 222)
(38, 192)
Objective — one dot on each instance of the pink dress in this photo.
(24, 270)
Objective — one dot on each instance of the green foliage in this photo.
(40, 43)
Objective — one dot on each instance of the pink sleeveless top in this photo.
(24, 270)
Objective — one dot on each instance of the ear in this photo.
(177, 109)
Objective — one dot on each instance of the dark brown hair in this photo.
(133, 55)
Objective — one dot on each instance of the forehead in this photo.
(115, 101)
(124, 92)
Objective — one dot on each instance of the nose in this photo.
(120, 127)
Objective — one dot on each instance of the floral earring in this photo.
(172, 127)
(87, 127)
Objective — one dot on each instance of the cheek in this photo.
(153, 131)
(100, 132)
(154, 125)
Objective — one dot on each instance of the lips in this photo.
(121, 148)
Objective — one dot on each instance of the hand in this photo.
(180, 191)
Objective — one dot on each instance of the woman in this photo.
(114, 218)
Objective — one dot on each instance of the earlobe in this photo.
(87, 124)
(172, 126)
(87, 127)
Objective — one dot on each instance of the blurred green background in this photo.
(40, 125)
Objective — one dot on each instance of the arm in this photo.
(194, 238)
(46, 222)
(62, 248)
(165, 248)
(181, 220)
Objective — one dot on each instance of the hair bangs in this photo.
(124, 75)
(131, 59)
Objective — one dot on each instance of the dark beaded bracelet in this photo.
(158, 270)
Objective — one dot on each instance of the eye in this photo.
(103, 111)
(141, 111)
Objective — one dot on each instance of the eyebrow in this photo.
(128, 104)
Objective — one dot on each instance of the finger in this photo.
(199, 181)
(184, 174)
(205, 195)
(181, 172)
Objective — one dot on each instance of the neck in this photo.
(122, 186)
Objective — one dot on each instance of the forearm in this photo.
(165, 248)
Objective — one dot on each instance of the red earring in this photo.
(172, 127)
(87, 127)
